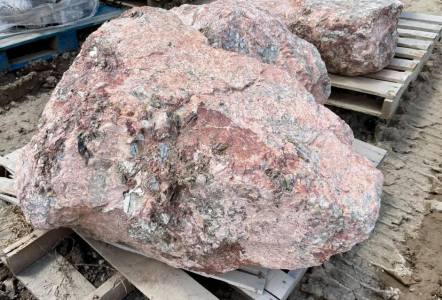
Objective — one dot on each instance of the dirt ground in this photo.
(24, 95)
(18, 121)
(423, 246)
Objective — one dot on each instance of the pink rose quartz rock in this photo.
(242, 27)
(202, 158)
(354, 37)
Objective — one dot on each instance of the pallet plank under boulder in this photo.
(374, 154)
(380, 88)
(409, 33)
(249, 278)
(115, 288)
(279, 285)
(52, 277)
(45, 273)
(30, 248)
(154, 279)
(401, 64)
(379, 94)
(408, 15)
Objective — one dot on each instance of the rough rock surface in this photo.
(354, 37)
(242, 27)
(199, 157)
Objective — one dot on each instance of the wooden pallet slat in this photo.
(403, 52)
(414, 43)
(258, 271)
(154, 279)
(421, 17)
(241, 280)
(7, 186)
(49, 276)
(249, 278)
(374, 154)
(115, 288)
(389, 107)
(361, 104)
(279, 285)
(9, 199)
(419, 25)
(10, 161)
(409, 33)
(52, 277)
(45, 273)
(25, 251)
(402, 64)
(366, 85)
(391, 75)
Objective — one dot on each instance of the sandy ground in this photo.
(18, 121)
(23, 97)
(419, 234)
(422, 250)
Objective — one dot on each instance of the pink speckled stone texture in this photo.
(242, 27)
(202, 158)
(354, 37)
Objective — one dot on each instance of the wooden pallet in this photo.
(48, 275)
(18, 50)
(256, 283)
(379, 94)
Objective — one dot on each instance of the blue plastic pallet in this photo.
(17, 51)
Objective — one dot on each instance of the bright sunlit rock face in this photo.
(199, 157)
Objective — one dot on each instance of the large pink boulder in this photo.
(242, 27)
(199, 157)
(354, 37)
